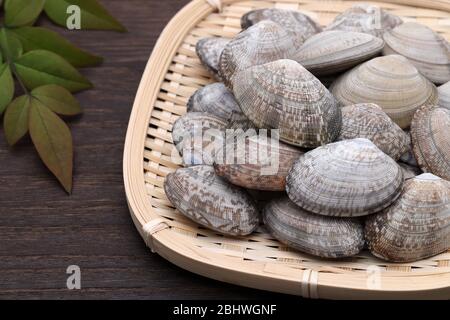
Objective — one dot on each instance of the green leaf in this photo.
(22, 12)
(6, 86)
(58, 99)
(93, 14)
(40, 67)
(34, 38)
(16, 119)
(10, 45)
(53, 141)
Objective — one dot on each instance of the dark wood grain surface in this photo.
(43, 231)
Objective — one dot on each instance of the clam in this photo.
(300, 25)
(199, 194)
(409, 172)
(331, 52)
(326, 237)
(218, 101)
(264, 42)
(283, 95)
(430, 131)
(417, 226)
(257, 162)
(371, 122)
(391, 82)
(365, 18)
(198, 136)
(209, 51)
(347, 179)
(444, 95)
(426, 49)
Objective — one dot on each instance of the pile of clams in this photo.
(333, 138)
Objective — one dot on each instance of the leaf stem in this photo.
(7, 54)
(19, 79)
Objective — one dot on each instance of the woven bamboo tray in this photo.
(173, 73)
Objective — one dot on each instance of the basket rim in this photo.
(266, 276)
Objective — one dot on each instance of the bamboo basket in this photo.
(172, 75)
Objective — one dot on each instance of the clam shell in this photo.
(198, 136)
(371, 122)
(331, 52)
(257, 162)
(199, 194)
(416, 226)
(300, 25)
(410, 172)
(430, 132)
(218, 101)
(444, 95)
(264, 42)
(347, 179)
(365, 18)
(391, 82)
(283, 95)
(209, 51)
(426, 49)
(326, 237)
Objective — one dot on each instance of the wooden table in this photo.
(43, 231)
